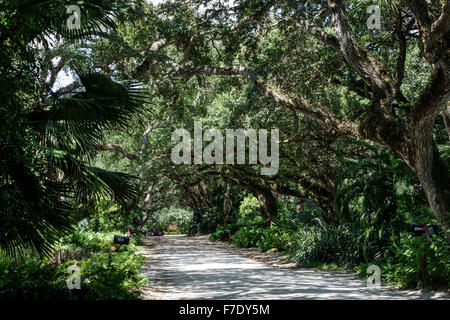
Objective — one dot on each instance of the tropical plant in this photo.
(46, 138)
(328, 244)
(106, 271)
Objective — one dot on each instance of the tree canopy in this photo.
(363, 113)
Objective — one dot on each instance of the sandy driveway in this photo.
(181, 267)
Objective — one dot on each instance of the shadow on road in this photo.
(195, 268)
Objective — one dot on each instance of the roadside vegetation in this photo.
(88, 113)
(107, 271)
(303, 237)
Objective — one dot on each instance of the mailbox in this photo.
(121, 240)
(422, 229)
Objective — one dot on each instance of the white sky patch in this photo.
(63, 78)
(156, 2)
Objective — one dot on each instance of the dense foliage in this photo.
(306, 239)
(172, 220)
(107, 271)
(87, 117)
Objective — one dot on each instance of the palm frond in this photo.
(33, 214)
(43, 20)
(88, 183)
(78, 122)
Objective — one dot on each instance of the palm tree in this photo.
(46, 142)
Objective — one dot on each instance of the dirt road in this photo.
(181, 267)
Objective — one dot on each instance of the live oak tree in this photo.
(314, 58)
(385, 116)
(303, 174)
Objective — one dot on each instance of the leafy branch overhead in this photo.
(384, 115)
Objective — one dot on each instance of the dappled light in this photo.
(193, 268)
(238, 149)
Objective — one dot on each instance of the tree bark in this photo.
(435, 180)
(267, 205)
(423, 283)
(446, 117)
(227, 204)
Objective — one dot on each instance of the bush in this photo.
(248, 237)
(325, 244)
(31, 279)
(220, 235)
(107, 271)
(107, 216)
(110, 275)
(251, 230)
(205, 222)
(225, 233)
(249, 213)
(403, 268)
(174, 217)
(275, 238)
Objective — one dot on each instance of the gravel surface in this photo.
(181, 267)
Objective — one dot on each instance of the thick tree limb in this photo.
(358, 58)
(315, 31)
(431, 32)
(133, 156)
(442, 25)
(54, 73)
(401, 38)
(150, 129)
(145, 65)
(446, 117)
(275, 95)
(431, 101)
(69, 88)
(420, 11)
(257, 16)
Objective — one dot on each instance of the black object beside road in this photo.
(422, 229)
(121, 240)
(156, 232)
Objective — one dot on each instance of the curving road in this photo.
(181, 267)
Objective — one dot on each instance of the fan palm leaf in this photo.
(44, 177)
(42, 20)
(77, 122)
(85, 182)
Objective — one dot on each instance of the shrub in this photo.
(248, 237)
(249, 212)
(113, 275)
(205, 222)
(220, 235)
(174, 217)
(225, 233)
(326, 244)
(275, 238)
(31, 279)
(107, 216)
(107, 271)
(403, 268)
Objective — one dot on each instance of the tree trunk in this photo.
(434, 177)
(227, 204)
(267, 205)
(436, 185)
(446, 117)
(423, 283)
